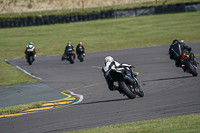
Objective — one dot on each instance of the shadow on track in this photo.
(104, 101)
(167, 79)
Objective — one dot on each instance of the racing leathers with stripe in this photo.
(177, 49)
(105, 69)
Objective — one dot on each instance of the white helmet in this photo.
(109, 59)
(182, 41)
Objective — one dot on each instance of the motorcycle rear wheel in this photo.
(81, 58)
(191, 68)
(125, 90)
(30, 60)
(71, 59)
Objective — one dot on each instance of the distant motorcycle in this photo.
(127, 81)
(191, 66)
(30, 56)
(81, 55)
(69, 55)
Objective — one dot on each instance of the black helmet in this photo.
(175, 41)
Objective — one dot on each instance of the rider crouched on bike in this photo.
(32, 48)
(68, 48)
(80, 49)
(108, 65)
(177, 49)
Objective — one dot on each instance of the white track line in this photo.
(23, 70)
(80, 97)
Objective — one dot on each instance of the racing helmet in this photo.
(31, 43)
(80, 43)
(69, 43)
(109, 59)
(175, 41)
(182, 41)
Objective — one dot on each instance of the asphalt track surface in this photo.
(168, 91)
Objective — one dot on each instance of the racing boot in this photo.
(113, 88)
(195, 62)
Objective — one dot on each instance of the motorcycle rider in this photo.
(30, 46)
(108, 65)
(80, 47)
(177, 49)
(67, 48)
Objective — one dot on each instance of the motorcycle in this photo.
(80, 55)
(30, 56)
(127, 81)
(69, 55)
(190, 66)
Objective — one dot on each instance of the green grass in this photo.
(96, 35)
(20, 108)
(178, 124)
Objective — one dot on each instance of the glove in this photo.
(35, 55)
(84, 54)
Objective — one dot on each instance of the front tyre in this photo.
(191, 68)
(125, 90)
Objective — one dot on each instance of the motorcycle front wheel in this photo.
(125, 90)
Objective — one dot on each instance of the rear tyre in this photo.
(30, 60)
(71, 59)
(191, 68)
(126, 91)
(81, 58)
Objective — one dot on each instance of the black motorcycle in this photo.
(69, 55)
(30, 56)
(81, 55)
(190, 66)
(127, 81)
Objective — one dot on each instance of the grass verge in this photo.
(177, 124)
(20, 108)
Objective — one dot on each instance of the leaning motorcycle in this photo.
(190, 66)
(30, 56)
(127, 81)
(69, 55)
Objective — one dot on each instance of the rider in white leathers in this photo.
(108, 65)
(31, 48)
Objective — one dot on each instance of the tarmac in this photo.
(27, 93)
